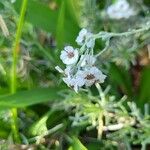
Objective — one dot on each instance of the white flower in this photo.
(85, 36)
(75, 82)
(68, 81)
(68, 71)
(122, 5)
(87, 60)
(92, 75)
(121, 9)
(129, 13)
(81, 37)
(69, 55)
(90, 43)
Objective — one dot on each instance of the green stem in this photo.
(13, 74)
(108, 35)
(51, 131)
(128, 33)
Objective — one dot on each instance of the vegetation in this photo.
(74, 74)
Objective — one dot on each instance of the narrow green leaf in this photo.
(60, 25)
(77, 145)
(144, 91)
(61, 22)
(40, 15)
(121, 78)
(31, 97)
(40, 126)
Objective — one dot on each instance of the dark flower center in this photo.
(90, 77)
(70, 55)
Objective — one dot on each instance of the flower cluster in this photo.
(80, 63)
(121, 9)
(85, 37)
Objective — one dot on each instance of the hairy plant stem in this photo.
(111, 34)
(13, 74)
(108, 35)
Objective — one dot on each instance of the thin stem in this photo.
(111, 34)
(106, 47)
(130, 32)
(13, 74)
(101, 93)
(16, 46)
(51, 131)
(100, 125)
(108, 35)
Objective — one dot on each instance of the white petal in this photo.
(87, 60)
(122, 5)
(83, 32)
(69, 48)
(90, 43)
(121, 9)
(98, 76)
(64, 55)
(79, 40)
(90, 82)
(67, 80)
(80, 81)
(102, 78)
(81, 37)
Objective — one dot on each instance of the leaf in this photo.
(60, 25)
(68, 24)
(30, 97)
(71, 22)
(40, 126)
(121, 78)
(48, 121)
(144, 91)
(4, 126)
(77, 145)
(40, 15)
(61, 22)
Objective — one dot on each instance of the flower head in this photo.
(75, 82)
(87, 60)
(92, 75)
(90, 43)
(68, 71)
(122, 4)
(81, 37)
(80, 67)
(121, 9)
(69, 55)
(85, 36)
